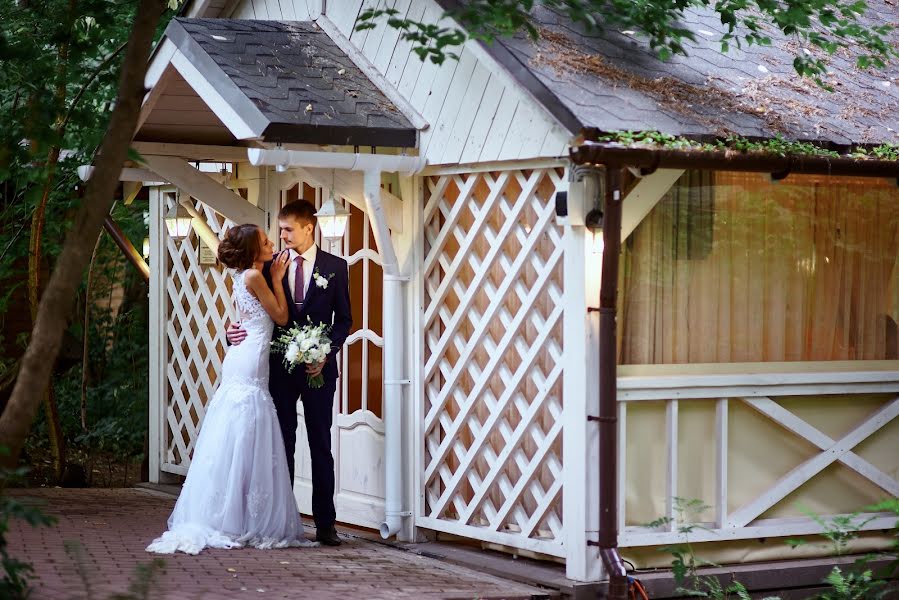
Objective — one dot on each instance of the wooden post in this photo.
(158, 319)
(608, 386)
(579, 438)
(416, 372)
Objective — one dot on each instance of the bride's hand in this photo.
(279, 265)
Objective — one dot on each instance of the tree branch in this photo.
(87, 84)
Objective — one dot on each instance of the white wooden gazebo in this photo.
(472, 369)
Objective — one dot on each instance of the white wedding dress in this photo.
(237, 492)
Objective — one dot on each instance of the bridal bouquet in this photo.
(308, 345)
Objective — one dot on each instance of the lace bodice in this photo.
(248, 306)
(247, 362)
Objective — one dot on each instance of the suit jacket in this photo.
(330, 305)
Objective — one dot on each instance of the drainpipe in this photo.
(608, 390)
(395, 382)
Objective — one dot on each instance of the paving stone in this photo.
(111, 527)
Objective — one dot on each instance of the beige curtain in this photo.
(734, 268)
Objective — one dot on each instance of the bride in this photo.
(237, 492)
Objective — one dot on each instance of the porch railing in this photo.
(761, 392)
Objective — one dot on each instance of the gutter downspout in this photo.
(395, 383)
(608, 389)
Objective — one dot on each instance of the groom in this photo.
(317, 290)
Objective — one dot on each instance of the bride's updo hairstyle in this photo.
(240, 247)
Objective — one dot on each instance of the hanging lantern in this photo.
(177, 221)
(332, 219)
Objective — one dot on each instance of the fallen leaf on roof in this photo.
(561, 54)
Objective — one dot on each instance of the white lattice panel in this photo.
(197, 311)
(493, 347)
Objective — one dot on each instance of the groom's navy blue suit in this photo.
(330, 305)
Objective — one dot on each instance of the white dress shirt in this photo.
(308, 266)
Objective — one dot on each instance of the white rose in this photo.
(306, 344)
(326, 349)
(292, 352)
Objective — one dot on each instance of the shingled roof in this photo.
(614, 81)
(291, 82)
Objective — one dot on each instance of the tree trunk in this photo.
(7, 380)
(58, 299)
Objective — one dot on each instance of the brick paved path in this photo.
(113, 526)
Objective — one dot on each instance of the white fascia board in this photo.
(235, 123)
(154, 81)
(160, 61)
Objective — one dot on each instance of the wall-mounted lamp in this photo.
(593, 222)
(562, 204)
(280, 168)
(177, 221)
(145, 251)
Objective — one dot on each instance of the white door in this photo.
(357, 436)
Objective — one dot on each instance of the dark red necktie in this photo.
(298, 283)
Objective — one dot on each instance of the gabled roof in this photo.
(289, 82)
(613, 81)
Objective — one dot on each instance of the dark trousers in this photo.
(317, 410)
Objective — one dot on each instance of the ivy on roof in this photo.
(777, 146)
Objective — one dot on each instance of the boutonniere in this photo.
(320, 280)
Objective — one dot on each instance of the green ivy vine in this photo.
(777, 145)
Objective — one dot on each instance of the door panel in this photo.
(357, 437)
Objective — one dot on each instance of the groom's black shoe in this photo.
(328, 537)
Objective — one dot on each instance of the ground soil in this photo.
(99, 470)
